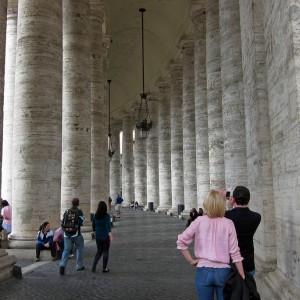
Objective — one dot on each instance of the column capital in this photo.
(100, 6)
(153, 96)
(186, 42)
(163, 83)
(198, 7)
(175, 65)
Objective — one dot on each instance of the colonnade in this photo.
(225, 113)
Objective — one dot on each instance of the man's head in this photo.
(241, 195)
(75, 202)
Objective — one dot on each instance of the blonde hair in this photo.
(214, 205)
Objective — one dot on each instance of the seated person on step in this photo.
(45, 241)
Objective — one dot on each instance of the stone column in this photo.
(175, 70)
(115, 164)
(258, 130)
(105, 161)
(164, 146)
(76, 129)
(98, 138)
(152, 153)
(232, 95)
(127, 160)
(198, 14)
(3, 17)
(140, 169)
(214, 96)
(189, 138)
(37, 121)
(9, 94)
(6, 262)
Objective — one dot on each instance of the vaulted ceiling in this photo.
(164, 23)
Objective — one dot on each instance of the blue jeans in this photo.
(210, 279)
(68, 243)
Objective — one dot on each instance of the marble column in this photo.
(115, 163)
(127, 160)
(188, 117)
(164, 146)
(98, 138)
(175, 69)
(3, 17)
(258, 131)
(232, 95)
(36, 175)
(152, 152)
(8, 103)
(76, 127)
(214, 96)
(140, 169)
(198, 15)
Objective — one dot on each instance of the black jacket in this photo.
(236, 288)
(246, 223)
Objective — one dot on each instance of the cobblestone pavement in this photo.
(144, 264)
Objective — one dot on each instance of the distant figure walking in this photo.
(118, 206)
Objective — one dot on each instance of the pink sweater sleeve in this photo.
(234, 249)
(186, 238)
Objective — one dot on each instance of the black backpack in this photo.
(70, 222)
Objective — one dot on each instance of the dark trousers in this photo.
(102, 248)
(40, 247)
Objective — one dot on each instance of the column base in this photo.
(173, 211)
(6, 265)
(17, 242)
(162, 209)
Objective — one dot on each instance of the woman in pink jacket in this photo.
(215, 242)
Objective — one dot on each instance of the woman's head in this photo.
(4, 203)
(214, 205)
(45, 226)
(101, 210)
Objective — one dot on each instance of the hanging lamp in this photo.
(111, 151)
(143, 123)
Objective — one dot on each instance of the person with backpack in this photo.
(45, 241)
(118, 206)
(104, 238)
(73, 219)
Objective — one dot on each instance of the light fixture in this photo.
(111, 152)
(143, 123)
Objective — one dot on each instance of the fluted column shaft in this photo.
(152, 153)
(97, 89)
(164, 146)
(114, 165)
(198, 14)
(175, 70)
(214, 96)
(127, 161)
(232, 95)
(76, 129)
(189, 138)
(8, 103)
(37, 120)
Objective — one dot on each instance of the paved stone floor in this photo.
(144, 264)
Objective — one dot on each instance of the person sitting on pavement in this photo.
(45, 241)
(136, 205)
(6, 213)
(59, 240)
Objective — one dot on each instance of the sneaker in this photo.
(71, 255)
(105, 270)
(80, 269)
(62, 271)
(37, 259)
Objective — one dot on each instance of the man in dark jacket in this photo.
(246, 223)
